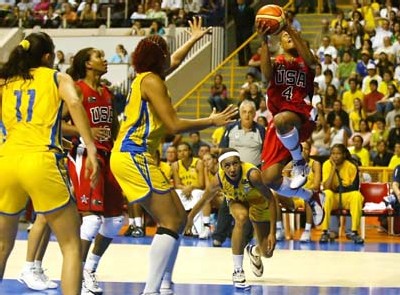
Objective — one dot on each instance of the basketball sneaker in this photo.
(129, 230)
(45, 279)
(167, 289)
(317, 207)
(300, 172)
(138, 232)
(90, 282)
(256, 264)
(32, 280)
(205, 233)
(305, 237)
(239, 279)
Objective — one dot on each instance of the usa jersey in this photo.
(98, 106)
(291, 87)
(32, 113)
(141, 129)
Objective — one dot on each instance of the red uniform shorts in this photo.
(106, 197)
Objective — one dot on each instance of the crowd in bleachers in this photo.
(93, 13)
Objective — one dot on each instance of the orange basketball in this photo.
(271, 16)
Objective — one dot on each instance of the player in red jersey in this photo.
(101, 207)
(290, 79)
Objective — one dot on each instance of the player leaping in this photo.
(290, 86)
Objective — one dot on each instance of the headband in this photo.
(25, 44)
(227, 155)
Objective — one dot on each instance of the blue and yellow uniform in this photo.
(189, 176)
(31, 160)
(242, 191)
(132, 161)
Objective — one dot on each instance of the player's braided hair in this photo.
(78, 69)
(150, 55)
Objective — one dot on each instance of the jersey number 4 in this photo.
(18, 94)
(288, 93)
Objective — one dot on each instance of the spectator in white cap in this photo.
(372, 75)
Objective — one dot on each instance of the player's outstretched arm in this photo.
(155, 91)
(210, 193)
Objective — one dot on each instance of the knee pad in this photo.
(111, 226)
(90, 227)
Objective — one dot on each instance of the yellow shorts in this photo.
(298, 203)
(258, 209)
(41, 176)
(137, 175)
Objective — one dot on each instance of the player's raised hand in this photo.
(196, 29)
(224, 117)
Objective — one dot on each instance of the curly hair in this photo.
(150, 55)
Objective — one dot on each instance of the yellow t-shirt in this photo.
(363, 155)
(217, 135)
(349, 97)
(166, 169)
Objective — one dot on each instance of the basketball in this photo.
(271, 16)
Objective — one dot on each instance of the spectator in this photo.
(320, 137)
(388, 49)
(157, 14)
(156, 28)
(356, 29)
(338, 37)
(255, 95)
(370, 101)
(338, 133)
(372, 75)
(340, 181)
(328, 80)
(385, 105)
(365, 133)
(91, 3)
(380, 133)
(181, 19)
(137, 29)
(395, 160)
(292, 21)
(394, 134)
(381, 32)
(356, 115)
(88, 16)
(219, 94)
(363, 63)
(330, 64)
(120, 56)
(254, 64)
(360, 151)
(70, 17)
(346, 67)
(331, 95)
(339, 20)
(393, 113)
(196, 142)
(139, 14)
(338, 111)
(171, 7)
(350, 95)
(243, 15)
(60, 62)
(383, 156)
(326, 47)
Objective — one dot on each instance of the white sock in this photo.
(138, 221)
(167, 279)
(279, 225)
(37, 264)
(290, 141)
(308, 226)
(92, 262)
(206, 219)
(286, 191)
(28, 266)
(237, 261)
(131, 221)
(161, 250)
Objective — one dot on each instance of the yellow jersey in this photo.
(189, 176)
(141, 129)
(32, 113)
(242, 190)
(166, 169)
(310, 178)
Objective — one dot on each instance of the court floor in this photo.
(334, 268)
